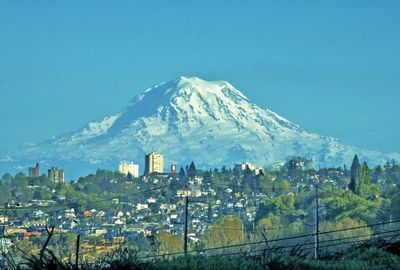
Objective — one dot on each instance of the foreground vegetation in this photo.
(371, 255)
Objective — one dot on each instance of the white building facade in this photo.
(129, 167)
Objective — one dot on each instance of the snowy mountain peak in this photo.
(214, 87)
(185, 86)
(186, 98)
(209, 122)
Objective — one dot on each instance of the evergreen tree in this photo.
(223, 170)
(345, 171)
(364, 180)
(182, 175)
(387, 166)
(7, 179)
(273, 189)
(37, 195)
(247, 173)
(192, 171)
(393, 161)
(5, 193)
(355, 167)
(377, 174)
(246, 178)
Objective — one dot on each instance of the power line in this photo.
(213, 227)
(294, 246)
(281, 239)
(278, 239)
(311, 243)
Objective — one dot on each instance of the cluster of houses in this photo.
(137, 221)
(147, 217)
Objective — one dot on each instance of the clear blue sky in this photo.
(331, 66)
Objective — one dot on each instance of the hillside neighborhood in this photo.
(113, 209)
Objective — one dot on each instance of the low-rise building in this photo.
(183, 193)
(3, 219)
(100, 232)
(243, 166)
(69, 213)
(142, 206)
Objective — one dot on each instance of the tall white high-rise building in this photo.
(129, 167)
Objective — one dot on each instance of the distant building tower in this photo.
(56, 175)
(34, 171)
(173, 169)
(125, 168)
(154, 162)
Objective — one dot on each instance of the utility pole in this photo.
(316, 232)
(185, 236)
(78, 238)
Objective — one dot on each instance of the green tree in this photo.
(340, 226)
(275, 227)
(191, 171)
(7, 179)
(283, 205)
(5, 193)
(355, 166)
(365, 187)
(269, 227)
(395, 205)
(42, 180)
(229, 230)
(64, 245)
(169, 243)
(342, 203)
(20, 187)
(182, 176)
(37, 194)
(281, 186)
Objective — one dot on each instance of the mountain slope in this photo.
(187, 119)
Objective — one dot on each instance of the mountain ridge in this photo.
(210, 122)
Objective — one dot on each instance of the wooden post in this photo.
(78, 238)
(316, 236)
(185, 236)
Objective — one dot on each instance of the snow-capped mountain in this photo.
(211, 123)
